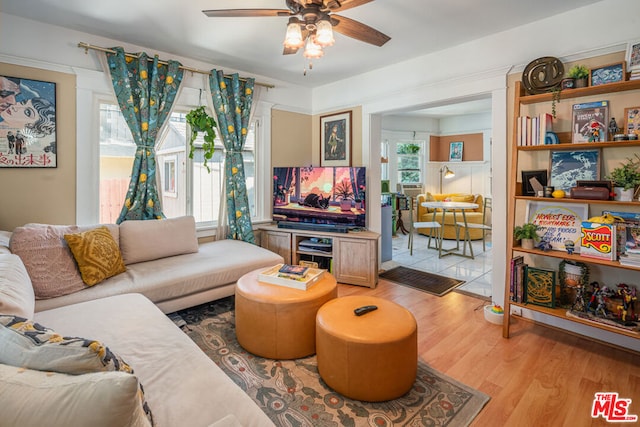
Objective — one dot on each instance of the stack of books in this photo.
(634, 75)
(631, 257)
(516, 285)
(291, 276)
(533, 130)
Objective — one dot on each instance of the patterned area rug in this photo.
(421, 280)
(292, 393)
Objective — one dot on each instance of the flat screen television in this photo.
(320, 195)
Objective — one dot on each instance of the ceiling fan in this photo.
(311, 24)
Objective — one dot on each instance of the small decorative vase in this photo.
(526, 243)
(622, 195)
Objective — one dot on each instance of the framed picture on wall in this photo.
(27, 123)
(568, 167)
(531, 180)
(455, 151)
(335, 139)
(633, 55)
(632, 120)
(611, 73)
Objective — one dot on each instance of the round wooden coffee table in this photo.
(277, 322)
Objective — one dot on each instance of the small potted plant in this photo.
(625, 179)
(580, 74)
(526, 233)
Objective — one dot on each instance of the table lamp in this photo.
(448, 173)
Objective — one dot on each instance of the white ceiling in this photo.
(254, 44)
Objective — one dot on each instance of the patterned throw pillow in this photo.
(96, 253)
(27, 344)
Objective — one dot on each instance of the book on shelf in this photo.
(631, 257)
(273, 276)
(540, 286)
(533, 130)
(598, 240)
(589, 122)
(546, 125)
(629, 229)
(516, 278)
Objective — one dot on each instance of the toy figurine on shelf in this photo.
(598, 302)
(570, 246)
(592, 129)
(544, 245)
(627, 308)
(578, 303)
(613, 127)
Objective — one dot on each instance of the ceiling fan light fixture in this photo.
(324, 33)
(312, 49)
(293, 38)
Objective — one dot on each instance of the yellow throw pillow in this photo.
(467, 198)
(97, 255)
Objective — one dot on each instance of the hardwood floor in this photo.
(538, 377)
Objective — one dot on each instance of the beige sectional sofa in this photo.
(166, 270)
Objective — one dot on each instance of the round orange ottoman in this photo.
(277, 322)
(373, 357)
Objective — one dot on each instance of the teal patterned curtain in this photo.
(232, 103)
(146, 90)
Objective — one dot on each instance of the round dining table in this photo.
(454, 207)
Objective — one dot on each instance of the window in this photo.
(169, 177)
(409, 162)
(187, 188)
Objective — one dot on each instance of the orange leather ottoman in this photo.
(373, 357)
(277, 322)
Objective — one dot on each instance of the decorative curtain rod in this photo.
(87, 46)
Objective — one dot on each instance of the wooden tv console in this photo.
(353, 256)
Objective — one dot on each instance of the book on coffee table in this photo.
(273, 276)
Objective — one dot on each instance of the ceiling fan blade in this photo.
(358, 30)
(340, 5)
(242, 13)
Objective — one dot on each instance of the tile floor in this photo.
(475, 272)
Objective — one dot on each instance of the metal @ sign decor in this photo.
(542, 75)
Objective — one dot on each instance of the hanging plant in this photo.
(200, 121)
(555, 98)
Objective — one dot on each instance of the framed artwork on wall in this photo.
(633, 55)
(611, 73)
(568, 167)
(335, 139)
(455, 151)
(632, 120)
(558, 222)
(528, 185)
(27, 123)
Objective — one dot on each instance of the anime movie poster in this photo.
(27, 123)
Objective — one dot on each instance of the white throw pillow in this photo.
(100, 399)
(154, 239)
(29, 345)
(16, 291)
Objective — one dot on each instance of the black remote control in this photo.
(364, 310)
